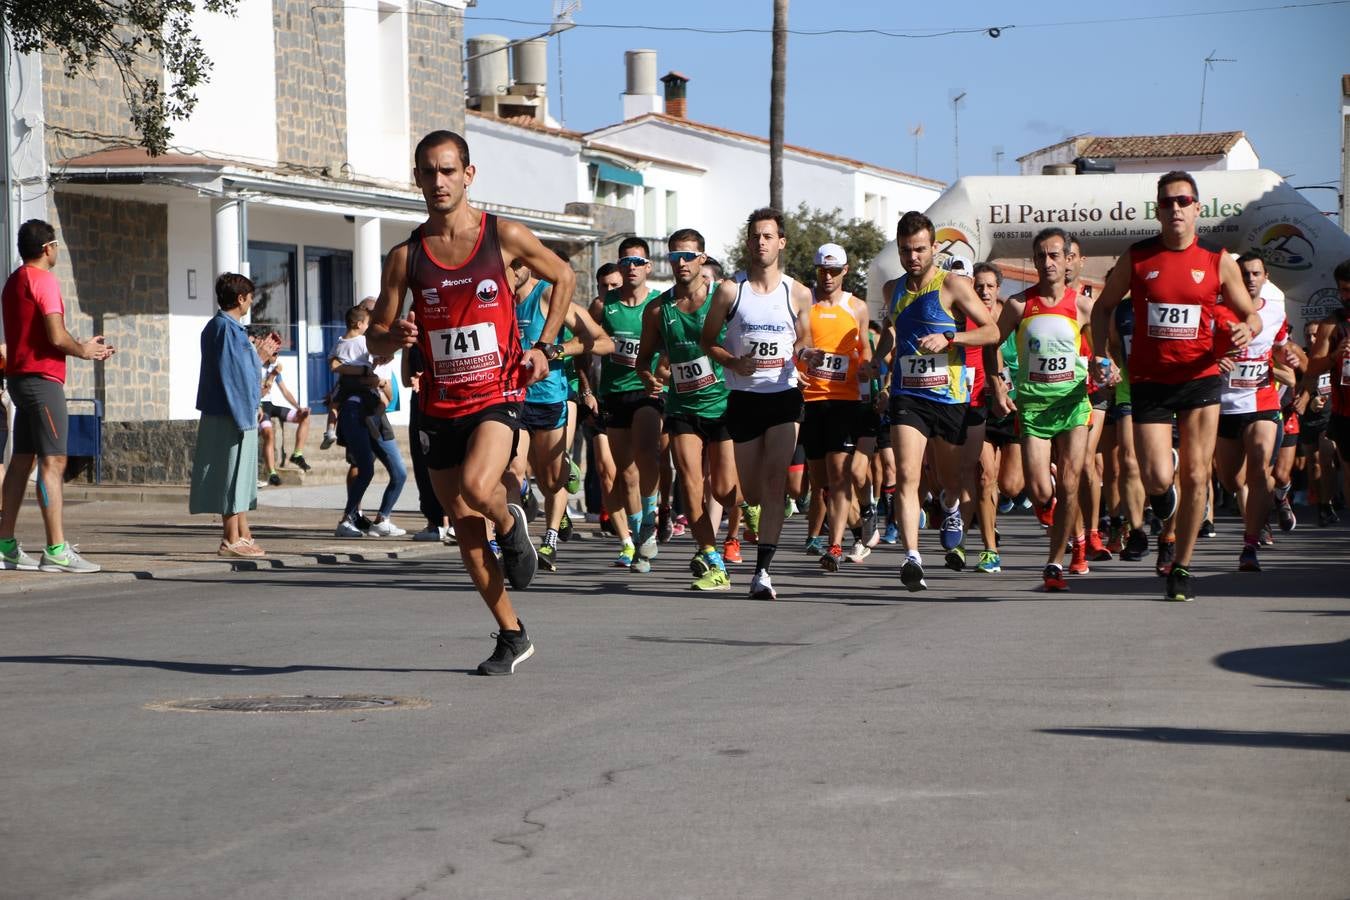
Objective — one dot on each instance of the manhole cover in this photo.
(280, 704)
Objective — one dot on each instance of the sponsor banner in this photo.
(996, 217)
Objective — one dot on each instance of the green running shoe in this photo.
(956, 558)
(573, 476)
(990, 563)
(712, 580)
(751, 520)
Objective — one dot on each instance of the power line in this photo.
(992, 31)
(695, 29)
(1185, 15)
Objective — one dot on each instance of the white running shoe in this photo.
(346, 529)
(761, 588)
(385, 528)
(859, 552)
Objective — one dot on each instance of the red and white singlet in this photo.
(1251, 386)
(466, 321)
(1173, 293)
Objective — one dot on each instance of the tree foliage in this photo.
(150, 42)
(807, 229)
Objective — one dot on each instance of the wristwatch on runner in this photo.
(550, 351)
(950, 336)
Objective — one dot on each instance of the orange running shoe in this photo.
(1079, 564)
(1046, 514)
(731, 551)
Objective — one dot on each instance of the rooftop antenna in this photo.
(1209, 64)
(917, 132)
(998, 159)
(956, 127)
(563, 10)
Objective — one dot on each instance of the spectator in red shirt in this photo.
(38, 344)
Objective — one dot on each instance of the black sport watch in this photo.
(550, 351)
(950, 336)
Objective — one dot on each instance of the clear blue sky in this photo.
(1044, 79)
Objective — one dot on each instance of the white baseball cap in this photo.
(831, 255)
(961, 265)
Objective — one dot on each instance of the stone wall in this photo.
(311, 86)
(114, 270)
(157, 452)
(610, 220)
(435, 70)
(86, 113)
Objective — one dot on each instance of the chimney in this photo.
(676, 103)
(640, 98)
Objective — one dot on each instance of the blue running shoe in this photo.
(892, 534)
(953, 531)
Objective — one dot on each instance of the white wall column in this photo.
(366, 259)
(225, 252)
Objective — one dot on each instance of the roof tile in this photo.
(1162, 145)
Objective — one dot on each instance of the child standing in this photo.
(364, 430)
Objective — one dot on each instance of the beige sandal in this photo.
(241, 549)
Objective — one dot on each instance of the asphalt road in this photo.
(982, 739)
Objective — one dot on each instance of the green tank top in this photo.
(1009, 371)
(618, 371)
(696, 384)
(1050, 347)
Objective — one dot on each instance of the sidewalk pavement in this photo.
(139, 532)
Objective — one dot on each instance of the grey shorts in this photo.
(40, 421)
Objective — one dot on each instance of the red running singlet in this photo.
(466, 321)
(1173, 293)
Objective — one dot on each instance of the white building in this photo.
(295, 168)
(1220, 151)
(736, 176)
(671, 171)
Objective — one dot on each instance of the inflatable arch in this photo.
(995, 217)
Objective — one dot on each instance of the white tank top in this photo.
(764, 326)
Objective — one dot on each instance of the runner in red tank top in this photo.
(1085, 539)
(1173, 281)
(977, 415)
(455, 267)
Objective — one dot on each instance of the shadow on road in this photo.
(1313, 612)
(1287, 740)
(1320, 665)
(721, 642)
(200, 668)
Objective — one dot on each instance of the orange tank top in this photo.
(834, 329)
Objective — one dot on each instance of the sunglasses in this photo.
(833, 271)
(634, 261)
(50, 244)
(677, 257)
(1181, 201)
